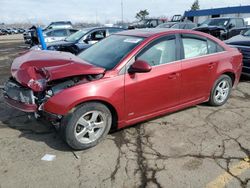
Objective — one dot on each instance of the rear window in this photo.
(213, 47)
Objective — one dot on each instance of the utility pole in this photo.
(122, 10)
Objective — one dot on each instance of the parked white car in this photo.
(54, 35)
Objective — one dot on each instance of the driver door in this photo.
(159, 89)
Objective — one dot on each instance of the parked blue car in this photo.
(242, 42)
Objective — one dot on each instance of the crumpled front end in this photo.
(19, 97)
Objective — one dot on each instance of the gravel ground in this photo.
(200, 146)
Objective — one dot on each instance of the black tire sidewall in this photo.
(212, 100)
(69, 124)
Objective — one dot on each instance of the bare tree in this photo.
(141, 15)
(195, 5)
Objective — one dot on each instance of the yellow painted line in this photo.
(222, 180)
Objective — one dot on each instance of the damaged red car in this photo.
(124, 79)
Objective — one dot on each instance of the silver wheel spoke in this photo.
(82, 133)
(217, 96)
(99, 125)
(94, 116)
(223, 84)
(82, 122)
(92, 135)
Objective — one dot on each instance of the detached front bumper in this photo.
(19, 97)
(19, 105)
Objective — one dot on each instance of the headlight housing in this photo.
(37, 85)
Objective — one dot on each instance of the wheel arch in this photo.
(112, 109)
(231, 74)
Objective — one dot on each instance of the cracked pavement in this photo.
(201, 146)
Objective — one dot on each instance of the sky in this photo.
(103, 11)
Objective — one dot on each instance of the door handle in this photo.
(173, 75)
(211, 65)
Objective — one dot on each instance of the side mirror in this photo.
(139, 66)
(87, 39)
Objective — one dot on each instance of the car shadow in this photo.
(38, 131)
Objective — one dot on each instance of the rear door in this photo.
(195, 68)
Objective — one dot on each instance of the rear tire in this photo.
(87, 125)
(221, 91)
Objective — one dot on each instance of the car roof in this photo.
(92, 28)
(146, 32)
(154, 32)
(225, 18)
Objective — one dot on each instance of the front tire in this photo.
(221, 91)
(87, 125)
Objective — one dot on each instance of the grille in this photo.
(19, 93)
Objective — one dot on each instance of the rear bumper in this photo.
(19, 105)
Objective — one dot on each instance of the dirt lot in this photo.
(198, 147)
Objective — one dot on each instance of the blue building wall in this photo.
(218, 11)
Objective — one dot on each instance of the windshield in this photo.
(215, 22)
(110, 51)
(247, 33)
(77, 35)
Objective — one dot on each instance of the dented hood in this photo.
(50, 65)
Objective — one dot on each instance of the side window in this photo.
(49, 33)
(194, 47)
(98, 35)
(60, 33)
(190, 26)
(113, 30)
(182, 26)
(213, 47)
(160, 53)
(232, 23)
(176, 26)
(71, 31)
(160, 22)
(153, 23)
(239, 23)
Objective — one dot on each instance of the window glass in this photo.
(98, 35)
(194, 47)
(233, 22)
(239, 23)
(160, 22)
(114, 30)
(190, 26)
(60, 33)
(219, 48)
(49, 33)
(71, 31)
(213, 47)
(160, 53)
(153, 23)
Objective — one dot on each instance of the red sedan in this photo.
(126, 78)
